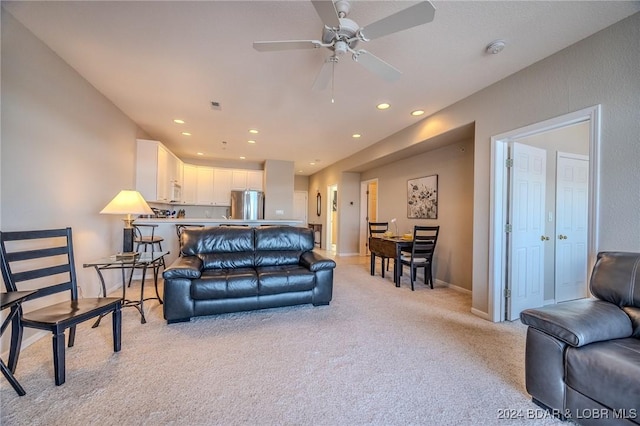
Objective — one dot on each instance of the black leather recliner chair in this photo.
(583, 357)
(227, 269)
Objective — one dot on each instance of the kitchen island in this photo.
(166, 228)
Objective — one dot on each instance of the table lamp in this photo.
(127, 202)
(396, 225)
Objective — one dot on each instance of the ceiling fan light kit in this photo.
(341, 35)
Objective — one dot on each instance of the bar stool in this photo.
(144, 235)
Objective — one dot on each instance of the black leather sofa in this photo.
(582, 359)
(229, 269)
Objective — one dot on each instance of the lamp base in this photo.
(127, 240)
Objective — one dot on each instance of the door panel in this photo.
(572, 174)
(526, 247)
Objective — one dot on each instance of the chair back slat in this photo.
(34, 274)
(38, 256)
(18, 256)
(376, 228)
(424, 241)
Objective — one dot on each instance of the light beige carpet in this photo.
(377, 355)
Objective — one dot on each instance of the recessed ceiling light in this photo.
(417, 112)
(299, 171)
(356, 135)
(251, 141)
(383, 105)
(242, 157)
(186, 133)
(253, 131)
(199, 153)
(178, 121)
(312, 164)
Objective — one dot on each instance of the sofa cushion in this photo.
(580, 322)
(221, 239)
(616, 278)
(287, 238)
(634, 314)
(225, 283)
(227, 260)
(607, 372)
(283, 279)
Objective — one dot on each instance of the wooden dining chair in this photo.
(43, 261)
(377, 229)
(421, 256)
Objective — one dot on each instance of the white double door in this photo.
(527, 238)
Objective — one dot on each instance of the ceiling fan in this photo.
(341, 35)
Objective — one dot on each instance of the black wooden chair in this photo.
(43, 260)
(376, 229)
(421, 256)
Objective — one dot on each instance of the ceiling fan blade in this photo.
(327, 12)
(377, 66)
(324, 76)
(418, 14)
(269, 46)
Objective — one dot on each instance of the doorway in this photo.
(332, 218)
(301, 207)
(505, 265)
(368, 211)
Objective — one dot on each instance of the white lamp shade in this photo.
(127, 202)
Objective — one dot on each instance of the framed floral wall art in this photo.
(422, 198)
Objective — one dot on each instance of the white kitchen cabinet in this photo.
(222, 179)
(152, 176)
(238, 179)
(204, 185)
(189, 184)
(255, 180)
(246, 179)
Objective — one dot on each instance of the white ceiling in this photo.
(160, 60)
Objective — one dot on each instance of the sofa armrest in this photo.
(580, 322)
(184, 267)
(315, 262)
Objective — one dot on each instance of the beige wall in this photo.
(454, 166)
(66, 151)
(601, 69)
(278, 189)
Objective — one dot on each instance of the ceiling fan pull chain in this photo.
(333, 72)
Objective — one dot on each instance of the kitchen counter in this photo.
(167, 228)
(217, 222)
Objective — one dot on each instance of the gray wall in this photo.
(601, 69)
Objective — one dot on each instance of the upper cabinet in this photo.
(247, 179)
(189, 184)
(162, 177)
(158, 172)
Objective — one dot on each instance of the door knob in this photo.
(543, 238)
(562, 237)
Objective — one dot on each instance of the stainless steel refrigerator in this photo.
(247, 205)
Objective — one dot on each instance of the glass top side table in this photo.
(141, 260)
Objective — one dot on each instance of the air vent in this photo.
(216, 105)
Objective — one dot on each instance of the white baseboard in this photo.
(483, 315)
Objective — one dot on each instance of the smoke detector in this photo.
(495, 47)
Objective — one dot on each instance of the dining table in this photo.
(390, 247)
